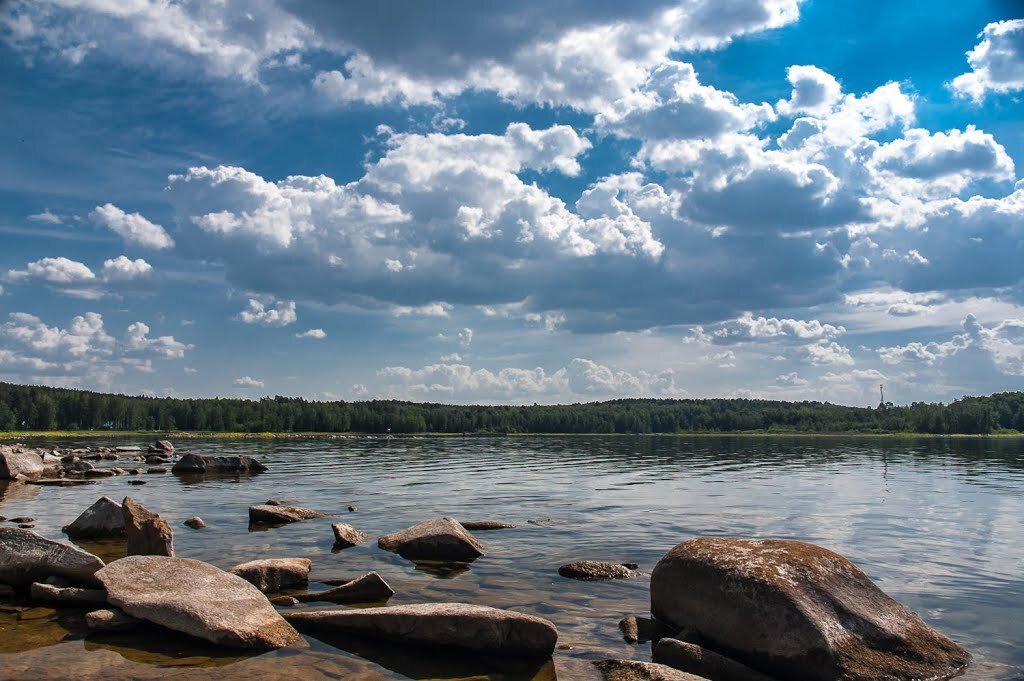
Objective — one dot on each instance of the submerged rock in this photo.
(196, 463)
(369, 588)
(197, 599)
(346, 536)
(272, 575)
(14, 463)
(195, 522)
(275, 515)
(458, 625)
(110, 620)
(695, 659)
(593, 570)
(631, 670)
(148, 533)
(795, 611)
(482, 525)
(103, 519)
(26, 557)
(70, 594)
(438, 539)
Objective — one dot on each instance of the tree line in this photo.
(24, 407)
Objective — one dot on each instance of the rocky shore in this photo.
(722, 609)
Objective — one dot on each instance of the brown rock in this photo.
(156, 470)
(631, 670)
(25, 557)
(456, 625)
(346, 536)
(196, 463)
(195, 522)
(148, 533)
(483, 525)
(14, 463)
(103, 519)
(278, 515)
(272, 575)
(795, 611)
(110, 620)
(642, 629)
(695, 659)
(285, 601)
(593, 570)
(369, 588)
(70, 594)
(80, 466)
(163, 446)
(197, 599)
(438, 539)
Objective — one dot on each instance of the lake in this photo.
(937, 523)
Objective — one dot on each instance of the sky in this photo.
(522, 203)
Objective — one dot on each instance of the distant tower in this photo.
(881, 394)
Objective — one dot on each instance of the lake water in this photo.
(938, 524)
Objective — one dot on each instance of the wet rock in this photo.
(351, 509)
(136, 482)
(369, 588)
(458, 625)
(60, 482)
(438, 539)
(275, 515)
(195, 598)
(273, 502)
(22, 519)
(285, 601)
(14, 463)
(70, 594)
(156, 470)
(695, 659)
(26, 526)
(162, 446)
(593, 570)
(346, 536)
(110, 620)
(642, 629)
(127, 448)
(50, 460)
(482, 525)
(196, 463)
(148, 533)
(135, 471)
(795, 611)
(272, 575)
(26, 557)
(99, 473)
(157, 459)
(79, 466)
(631, 670)
(195, 522)
(103, 519)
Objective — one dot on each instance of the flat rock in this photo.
(127, 448)
(156, 470)
(438, 539)
(795, 611)
(631, 670)
(110, 620)
(275, 515)
(14, 463)
(594, 570)
(60, 482)
(482, 525)
(458, 625)
(196, 598)
(346, 536)
(100, 473)
(198, 463)
(369, 588)
(46, 592)
(103, 519)
(272, 575)
(26, 557)
(148, 533)
(696, 659)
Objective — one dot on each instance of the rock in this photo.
(100, 473)
(631, 670)
(156, 459)
(197, 599)
(14, 463)
(110, 620)
(135, 471)
(275, 515)
(127, 448)
(437, 539)
(593, 570)
(80, 466)
(26, 557)
(457, 625)
(795, 611)
(195, 522)
(163, 446)
(346, 536)
(273, 502)
(136, 482)
(272, 575)
(694, 659)
(60, 482)
(156, 470)
(195, 463)
(148, 533)
(369, 588)
(50, 460)
(22, 519)
(351, 509)
(26, 526)
(46, 592)
(285, 601)
(642, 629)
(481, 525)
(103, 519)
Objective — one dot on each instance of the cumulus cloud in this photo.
(124, 269)
(997, 62)
(132, 227)
(47, 216)
(747, 328)
(791, 380)
(248, 382)
(281, 313)
(1002, 342)
(60, 272)
(815, 92)
(77, 279)
(318, 334)
(827, 353)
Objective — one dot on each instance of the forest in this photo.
(24, 407)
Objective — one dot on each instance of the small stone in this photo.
(195, 522)
(346, 536)
(195, 463)
(285, 601)
(593, 570)
(632, 670)
(110, 620)
(26, 526)
(272, 502)
(484, 525)
(642, 629)
(46, 592)
(369, 588)
(694, 659)
(156, 469)
(351, 509)
(101, 520)
(23, 519)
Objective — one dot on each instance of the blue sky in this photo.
(537, 203)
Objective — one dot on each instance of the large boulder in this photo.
(438, 539)
(198, 463)
(795, 611)
(103, 519)
(272, 575)
(148, 533)
(369, 588)
(14, 463)
(195, 598)
(26, 557)
(457, 625)
(263, 514)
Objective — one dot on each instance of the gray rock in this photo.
(272, 575)
(70, 594)
(26, 557)
(197, 599)
(136, 482)
(438, 539)
(457, 625)
(276, 515)
(100, 473)
(148, 533)
(196, 463)
(110, 620)
(103, 519)
(163, 446)
(631, 670)
(346, 536)
(14, 463)
(79, 466)
(195, 522)
(369, 588)
(795, 611)
(127, 448)
(157, 459)
(695, 659)
(482, 525)
(593, 570)
(156, 470)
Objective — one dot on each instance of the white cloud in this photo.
(132, 227)
(465, 337)
(1002, 342)
(281, 313)
(827, 353)
(438, 309)
(747, 328)
(165, 347)
(791, 380)
(248, 382)
(122, 269)
(60, 272)
(48, 217)
(77, 279)
(318, 334)
(815, 92)
(997, 62)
